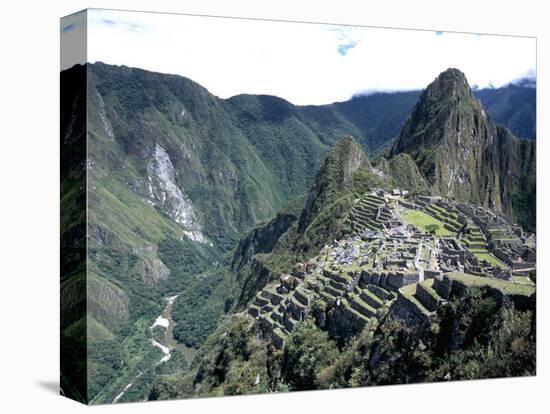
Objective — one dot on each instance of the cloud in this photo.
(124, 23)
(528, 80)
(345, 37)
(344, 48)
(303, 63)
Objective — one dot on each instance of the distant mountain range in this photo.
(512, 106)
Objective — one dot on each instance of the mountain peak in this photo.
(452, 73)
(450, 84)
(445, 108)
(344, 158)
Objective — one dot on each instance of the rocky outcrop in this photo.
(104, 237)
(107, 303)
(165, 194)
(153, 271)
(255, 279)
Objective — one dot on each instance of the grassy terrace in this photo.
(506, 287)
(523, 279)
(409, 292)
(451, 214)
(485, 255)
(421, 220)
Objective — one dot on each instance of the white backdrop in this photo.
(29, 219)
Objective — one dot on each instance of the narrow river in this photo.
(165, 321)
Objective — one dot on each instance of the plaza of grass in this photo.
(448, 226)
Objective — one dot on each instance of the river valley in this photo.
(165, 322)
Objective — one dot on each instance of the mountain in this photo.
(208, 198)
(175, 178)
(295, 326)
(448, 135)
(378, 116)
(300, 230)
(381, 115)
(333, 178)
(512, 106)
(463, 155)
(304, 226)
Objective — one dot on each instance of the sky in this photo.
(301, 62)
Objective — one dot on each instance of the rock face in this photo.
(106, 302)
(164, 192)
(463, 155)
(153, 271)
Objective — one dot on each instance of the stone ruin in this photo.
(358, 278)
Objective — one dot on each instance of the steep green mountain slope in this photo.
(161, 117)
(302, 231)
(463, 155)
(175, 177)
(333, 178)
(379, 116)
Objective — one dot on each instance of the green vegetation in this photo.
(490, 341)
(232, 361)
(400, 171)
(526, 280)
(423, 220)
(122, 361)
(200, 306)
(512, 106)
(506, 287)
(308, 350)
(432, 228)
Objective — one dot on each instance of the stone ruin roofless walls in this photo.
(382, 265)
(356, 278)
(479, 231)
(510, 243)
